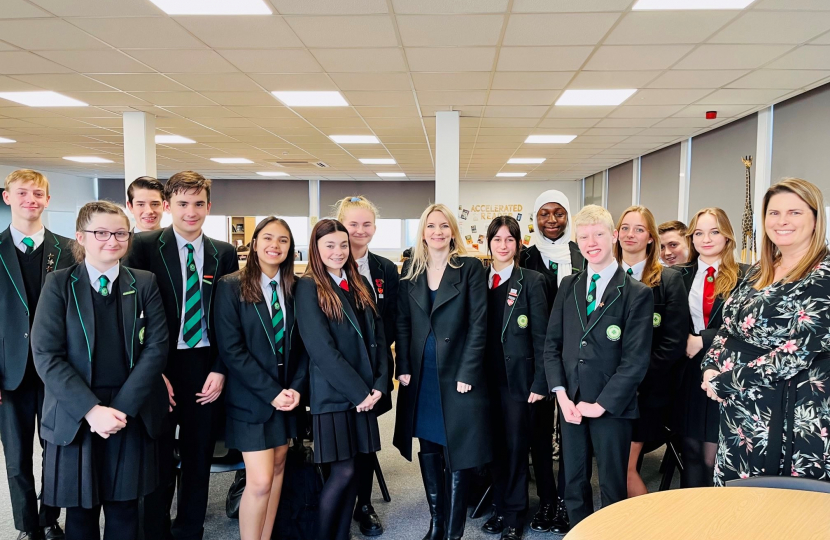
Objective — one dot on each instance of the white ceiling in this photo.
(501, 63)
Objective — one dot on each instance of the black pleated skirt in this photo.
(343, 435)
(92, 469)
(698, 417)
(274, 432)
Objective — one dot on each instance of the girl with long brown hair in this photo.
(638, 251)
(267, 369)
(710, 276)
(344, 338)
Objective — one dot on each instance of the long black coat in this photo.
(343, 371)
(63, 345)
(15, 306)
(603, 357)
(459, 320)
(385, 281)
(531, 258)
(245, 338)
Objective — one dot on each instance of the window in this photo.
(298, 225)
(411, 232)
(387, 234)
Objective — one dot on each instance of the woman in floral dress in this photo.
(770, 362)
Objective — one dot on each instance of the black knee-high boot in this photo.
(432, 471)
(457, 488)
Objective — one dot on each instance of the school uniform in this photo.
(188, 297)
(261, 347)
(598, 351)
(670, 324)
(24, 270)
(100, 339)
(517, 317)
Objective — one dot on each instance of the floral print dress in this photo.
(773, 354)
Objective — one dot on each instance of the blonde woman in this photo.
(442, 326)
(769, 363)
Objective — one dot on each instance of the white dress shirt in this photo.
(637, 269)
(363, 268)
(17, 238)
(339, 279)
(95, 274)
(696, 294)
(605, 276)
(265, 284)
(504, 275)
(199, 260)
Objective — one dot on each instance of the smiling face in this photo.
(189, 210)
(707, 237)
(503, 246)
(673, 248)
(596, 244)
(334, 251)
(437, 231)
(27, 200)
(147, 208)
(552, 220)
(272, 245)
(789, 222)
(361, 225)
(634, 237)
(104, 254)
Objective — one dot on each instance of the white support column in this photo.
(447, 155)
(763, 169)
(635, 181)
(139, 146)
(313, 202)
(605, 189)
(684, 179)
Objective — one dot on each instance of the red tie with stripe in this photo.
(496, 281)
(344, 285)
(708, 294)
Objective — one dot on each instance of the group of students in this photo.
(630, 334)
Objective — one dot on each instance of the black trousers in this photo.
(20, 414)
(609, 439)
(120, 521)
(187, 370)
(510, 469)
(541, 448)
(155, 510)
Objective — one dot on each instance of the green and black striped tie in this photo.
(30, 245)
(192, 329)
(277, 317)
(103, 290)
(592, 294)
(630, 271)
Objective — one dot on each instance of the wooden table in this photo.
(712, 514)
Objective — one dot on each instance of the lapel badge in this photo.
(710, 279)
(379, 287)
(50, 262)
(511, 300)
(613, 332)
(656, 319)
(141, 336)
(522, 320)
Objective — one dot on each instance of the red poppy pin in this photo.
(379, 285)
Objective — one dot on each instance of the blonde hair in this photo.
(420, 253)
(771, 255)
(728, 270)
(85, 215)
(593, 215)
(27, 175)
(349, 203)
(653, 270)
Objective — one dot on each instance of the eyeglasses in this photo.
(103, 236)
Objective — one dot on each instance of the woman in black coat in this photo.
(359, 215)
(638, 251)
(442, 401)
(343, 335)
(99, 341)
(267, 369)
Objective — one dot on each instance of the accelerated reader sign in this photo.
(489, 211)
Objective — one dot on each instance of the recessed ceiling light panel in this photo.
(87, 159)
(4, 140)
(311, 99)
(173, 139)
(231, 160)
(42, 99)
(595, 98)
(373, 161)
(391, 174)
(550, 139)
(273, 173)
(512, 174)
(530, 160)
(213, 7)
(354, 139)
(655, 5)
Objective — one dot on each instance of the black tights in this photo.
(365, 464)
(337, 501)
(120, 521)
(698, 463)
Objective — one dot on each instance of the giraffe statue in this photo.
(748, 231)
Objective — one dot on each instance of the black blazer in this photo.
(342, 370)
(458, 318)
(604, 358)
(385, 278)
(14, 305)
(668, 343)
(531, 259)
(64, 342)
(245, 338)
(523, 333)
(157, 252)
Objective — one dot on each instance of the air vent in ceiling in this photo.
(301, 164)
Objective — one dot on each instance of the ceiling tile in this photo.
(667, 27)
(351, 31)
(463, 110)
(99, 8)
(742, 97)
(242, 99)
(470, 80)
(667, 97)
(360, 60)
(731, 56)
(636, 57)
(106, 98)
(451, 59)
(65, 82)
(579, 112)
(19, 84)
(21, 9)
(269, 61)
(42, 34)
(138, 32)
(787, 5)
(380, 99)
(263, 112)
(774, 27)
(182, 60)
(449, 6)
(612, 79)
(724, 111)
(779, 78)
(563, 6)
(531, 80)
(329, 7)
(450, 30)
(542, 58)
(228, 82)
(807, 57)
(166, 99)
(241, 31)
(648, 111)
(426, 98)
(559, 29)
(696, 78)
(523, 97)
(368, 81)
(21, 62)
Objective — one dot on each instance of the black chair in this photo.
(782, 482)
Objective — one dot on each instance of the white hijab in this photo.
(558, 251)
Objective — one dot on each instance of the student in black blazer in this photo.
(187, 263)
(638, 251)
(517, 317)
(596, 355)
(267, 369)
(443, 401)
(348, 366)
(28, 253)
(710, 277)
(555, 256)
(358, 214)
(100, 346)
